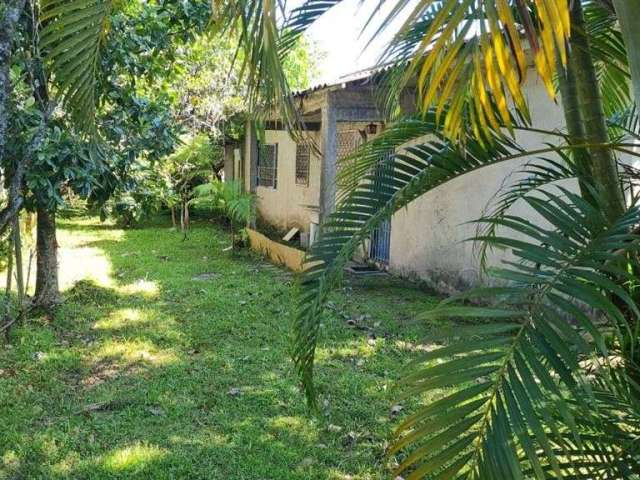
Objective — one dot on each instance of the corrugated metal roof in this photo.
(363, 76)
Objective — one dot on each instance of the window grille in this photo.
(268, 165)
(303, 159)
(347, 142)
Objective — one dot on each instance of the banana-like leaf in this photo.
(513, 392)
(72, 36)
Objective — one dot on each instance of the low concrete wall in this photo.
(280, 254)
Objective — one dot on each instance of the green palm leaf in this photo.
(527, 374)
(72, 37)
(365, 203)
(535, 175)
(610, 55)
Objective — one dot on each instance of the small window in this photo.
(303, 157)
(268, 165)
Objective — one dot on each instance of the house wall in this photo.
(428, 237)
(289, 204)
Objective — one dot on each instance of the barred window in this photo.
(268, 165)
(303, 158)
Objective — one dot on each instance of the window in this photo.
(268, 165)
(303, 157)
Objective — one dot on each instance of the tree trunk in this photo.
(17, 245)
(47, 292)
(628, 13)
(575, 128)
(603, 166)
(173, 216)
(9, 272)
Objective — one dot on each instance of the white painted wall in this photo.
(428, 237)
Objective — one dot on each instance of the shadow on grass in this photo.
(179, 368)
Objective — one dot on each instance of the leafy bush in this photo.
(226, 198)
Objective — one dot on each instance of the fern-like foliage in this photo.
(516, 385)
(73, 33)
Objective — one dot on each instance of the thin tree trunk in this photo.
(628, 13)
(47, 293)
(575, 128)
(604, 168)
(9, 271)
(173, 216)
(17, 245)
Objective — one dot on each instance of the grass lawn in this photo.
(169, 360)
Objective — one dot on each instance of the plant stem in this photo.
(575, 128)
(603, 165)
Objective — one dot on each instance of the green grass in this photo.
(134, 375)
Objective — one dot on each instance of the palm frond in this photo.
(468, 55)
(626, 121)
(610, 54)
(535, 175)
(72, 37)
(410, 172)
(267, 32)
(465, 55)
(516, 376)
(300, 19)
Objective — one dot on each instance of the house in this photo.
(296, 186)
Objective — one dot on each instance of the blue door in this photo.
(380, 243)
(381, 237)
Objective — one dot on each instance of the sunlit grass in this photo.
(133, 457)
(130, 351)
(151, 370)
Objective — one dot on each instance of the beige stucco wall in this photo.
(289, 204)
(428, 237)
